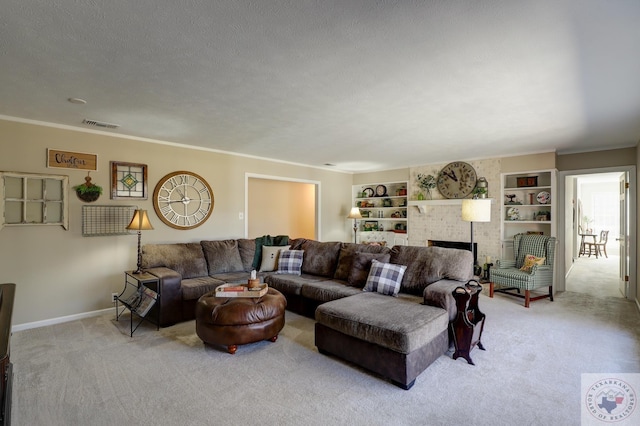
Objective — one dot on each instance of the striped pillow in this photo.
(290, 262)
(385, 278)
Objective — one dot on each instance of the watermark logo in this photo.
(610, 398)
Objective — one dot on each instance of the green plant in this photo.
(87, 189)
(427, 182)
(479, 190)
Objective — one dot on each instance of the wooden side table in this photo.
(467, 327)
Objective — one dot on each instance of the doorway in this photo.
(595, 269)
(591, 201)
(281, 206)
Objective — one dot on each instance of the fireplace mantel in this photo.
(422, 205)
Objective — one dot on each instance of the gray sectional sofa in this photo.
(189, 270)
(395, 337)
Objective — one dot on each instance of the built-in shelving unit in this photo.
(528, 205)
(383, 206)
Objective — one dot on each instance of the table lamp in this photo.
(355, 215)
(139, 222)
(476, 210)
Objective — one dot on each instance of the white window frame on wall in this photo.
(44, 198)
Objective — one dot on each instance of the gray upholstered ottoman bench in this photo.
(395, 337)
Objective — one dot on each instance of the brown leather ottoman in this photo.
(232, 321)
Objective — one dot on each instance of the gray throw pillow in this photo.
(345, 259)
(222, 256)
(362, 265)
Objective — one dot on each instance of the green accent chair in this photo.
(508, 276)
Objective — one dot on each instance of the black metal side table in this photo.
(140, 293)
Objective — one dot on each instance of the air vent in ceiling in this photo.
(102, 124)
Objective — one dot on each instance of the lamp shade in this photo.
(478, 210)
(354, 213)
(140, 221)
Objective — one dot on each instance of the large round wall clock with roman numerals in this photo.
(457, 180)
(183, 200)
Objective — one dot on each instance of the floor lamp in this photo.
(476, 210)
(355, 215)
(139, 222)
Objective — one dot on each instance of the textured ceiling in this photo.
(362, 84)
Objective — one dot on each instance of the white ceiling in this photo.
(362, 84)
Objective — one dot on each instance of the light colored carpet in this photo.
(598, 277)
(90, 372)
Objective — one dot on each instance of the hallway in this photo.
(598, 277)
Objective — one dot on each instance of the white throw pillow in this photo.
(270, 257)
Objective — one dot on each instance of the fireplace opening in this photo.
(457, 245)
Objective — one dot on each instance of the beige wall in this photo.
(597, 159)
(523, 163)
(637, 157)
(279, 207)
(396, 175)
(60, 273)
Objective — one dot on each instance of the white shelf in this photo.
(396, 219)
(528, 221)
(380, 198)
(393, 191)
(538, 206)
(383, 208)
(528, 188)
(546, 181)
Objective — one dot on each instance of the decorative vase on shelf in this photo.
(428, 197)
(420, 196)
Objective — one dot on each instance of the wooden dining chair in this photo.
(600, 246)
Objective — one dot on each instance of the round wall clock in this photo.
(456, 180)
(381, 191)
(183, 200)
(368, 192)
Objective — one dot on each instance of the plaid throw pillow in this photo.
(385, 278)
(290, 262)
(362, 265)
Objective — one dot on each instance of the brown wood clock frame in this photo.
(183, 200)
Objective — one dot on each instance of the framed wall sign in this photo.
(71, 160)
(128, 181)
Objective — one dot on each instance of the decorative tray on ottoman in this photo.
(241, 290)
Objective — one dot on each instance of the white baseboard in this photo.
(59, 320)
